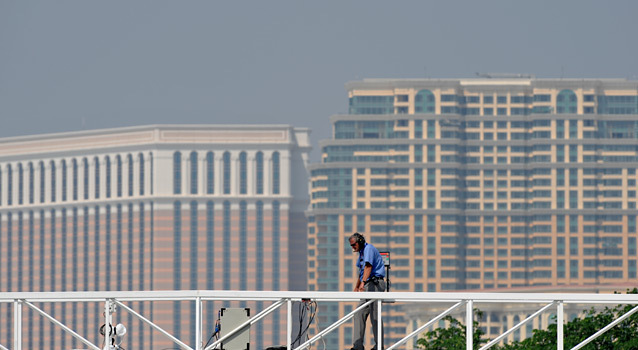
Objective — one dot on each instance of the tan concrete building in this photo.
(166, 207)
(479, 184)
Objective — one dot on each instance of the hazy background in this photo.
(73, 65)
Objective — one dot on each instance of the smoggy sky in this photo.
(69, 65)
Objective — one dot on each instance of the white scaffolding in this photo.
(551, 301)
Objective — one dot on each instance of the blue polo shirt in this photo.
(370, 255)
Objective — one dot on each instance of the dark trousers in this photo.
(360, 318)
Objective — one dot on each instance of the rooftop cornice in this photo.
(136, 136)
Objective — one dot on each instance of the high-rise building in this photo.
(478, 184)
(179, 207)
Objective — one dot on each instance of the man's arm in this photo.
(367, 271)
(356, 285)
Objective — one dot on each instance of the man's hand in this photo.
(361, 288)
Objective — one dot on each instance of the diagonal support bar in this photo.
(61, 325)
(2, 347)
(334, 325)
(605, 329)
(153, 325)
(251, 321)
(431, 322)
(519, 325)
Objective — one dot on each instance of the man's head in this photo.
(357, 242)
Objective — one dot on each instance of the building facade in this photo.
(478, 184)
(180, 207)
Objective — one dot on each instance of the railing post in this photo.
(198, 323)
(17, 325)
(107, 323)
(289, 326)
(559, 325)
(469, 325)
(379, 325)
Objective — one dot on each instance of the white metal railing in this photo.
(280, 298)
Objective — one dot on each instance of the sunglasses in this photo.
(353, 244)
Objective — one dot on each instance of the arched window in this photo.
(42, 182)
(20, 184)
(424, 102)
(243, 173)
(226, 161)
(566, 102)
(74, 165)
(9, 185)
(275, 173)
(31, 183)
(118, 174)
(129, 160)
(64, 178)
(210, 173)
(107, 164)
(96, 164)
(141, 185)
(259, 164)
(177, 173)
(53, 182)
(85, 166)
(193, 166)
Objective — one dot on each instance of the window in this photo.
(193, 171)
(129, 160)
(177, 173)
(118, 165)
(85, 165)
(31, 183)
(9, 185)
(243, 173)
(42, 182)
(53, 182)
(210, 173)
(226, 166)
(141, 179)
(74, 178)
(275, 173)
(259, 160)
(107, 164)
(64, 178)
(20, 184)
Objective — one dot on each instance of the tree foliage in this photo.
(452, 337)
(624, 336)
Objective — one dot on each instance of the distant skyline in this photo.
(76, 65)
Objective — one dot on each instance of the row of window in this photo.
(227, 173)
(29, 180)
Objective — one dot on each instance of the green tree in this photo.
(452, 337)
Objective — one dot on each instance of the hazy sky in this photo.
(73, 65)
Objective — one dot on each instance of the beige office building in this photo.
(159, 207)
(498, 182)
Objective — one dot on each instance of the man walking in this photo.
(370, 279)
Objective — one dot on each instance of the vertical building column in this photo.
(234, 173)
(201, 172)
(267, 173)
(285, 169)
(219, 173)
(58, 180)
(102, 183)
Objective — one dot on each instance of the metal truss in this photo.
(280, 298)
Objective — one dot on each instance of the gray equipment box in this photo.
(229, 319)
